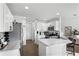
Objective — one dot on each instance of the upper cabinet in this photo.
(1, 17)
(6, 18)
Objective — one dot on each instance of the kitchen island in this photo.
(53, 47)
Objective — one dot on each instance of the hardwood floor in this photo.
(77, 48)
(31, 49)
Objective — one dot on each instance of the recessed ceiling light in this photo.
(58, 13)
(26, 7)
(24, 17)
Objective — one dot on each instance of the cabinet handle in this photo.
(10, 27)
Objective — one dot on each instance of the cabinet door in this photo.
(7, 19)
(11, 21)
(1, 18)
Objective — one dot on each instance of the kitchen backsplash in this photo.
(1, 35)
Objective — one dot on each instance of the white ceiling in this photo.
(43, 10)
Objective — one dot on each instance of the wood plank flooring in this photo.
(31, 49)
(77, 48)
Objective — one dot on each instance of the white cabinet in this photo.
(6, 18)
(1, 17)
(53, 47)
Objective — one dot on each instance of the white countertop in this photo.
(12, 45)
(54, 41)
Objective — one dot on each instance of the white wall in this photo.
(28, 30)
(70, 21)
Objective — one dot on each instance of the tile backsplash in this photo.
(1, 35)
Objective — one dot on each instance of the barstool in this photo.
(71, 46)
